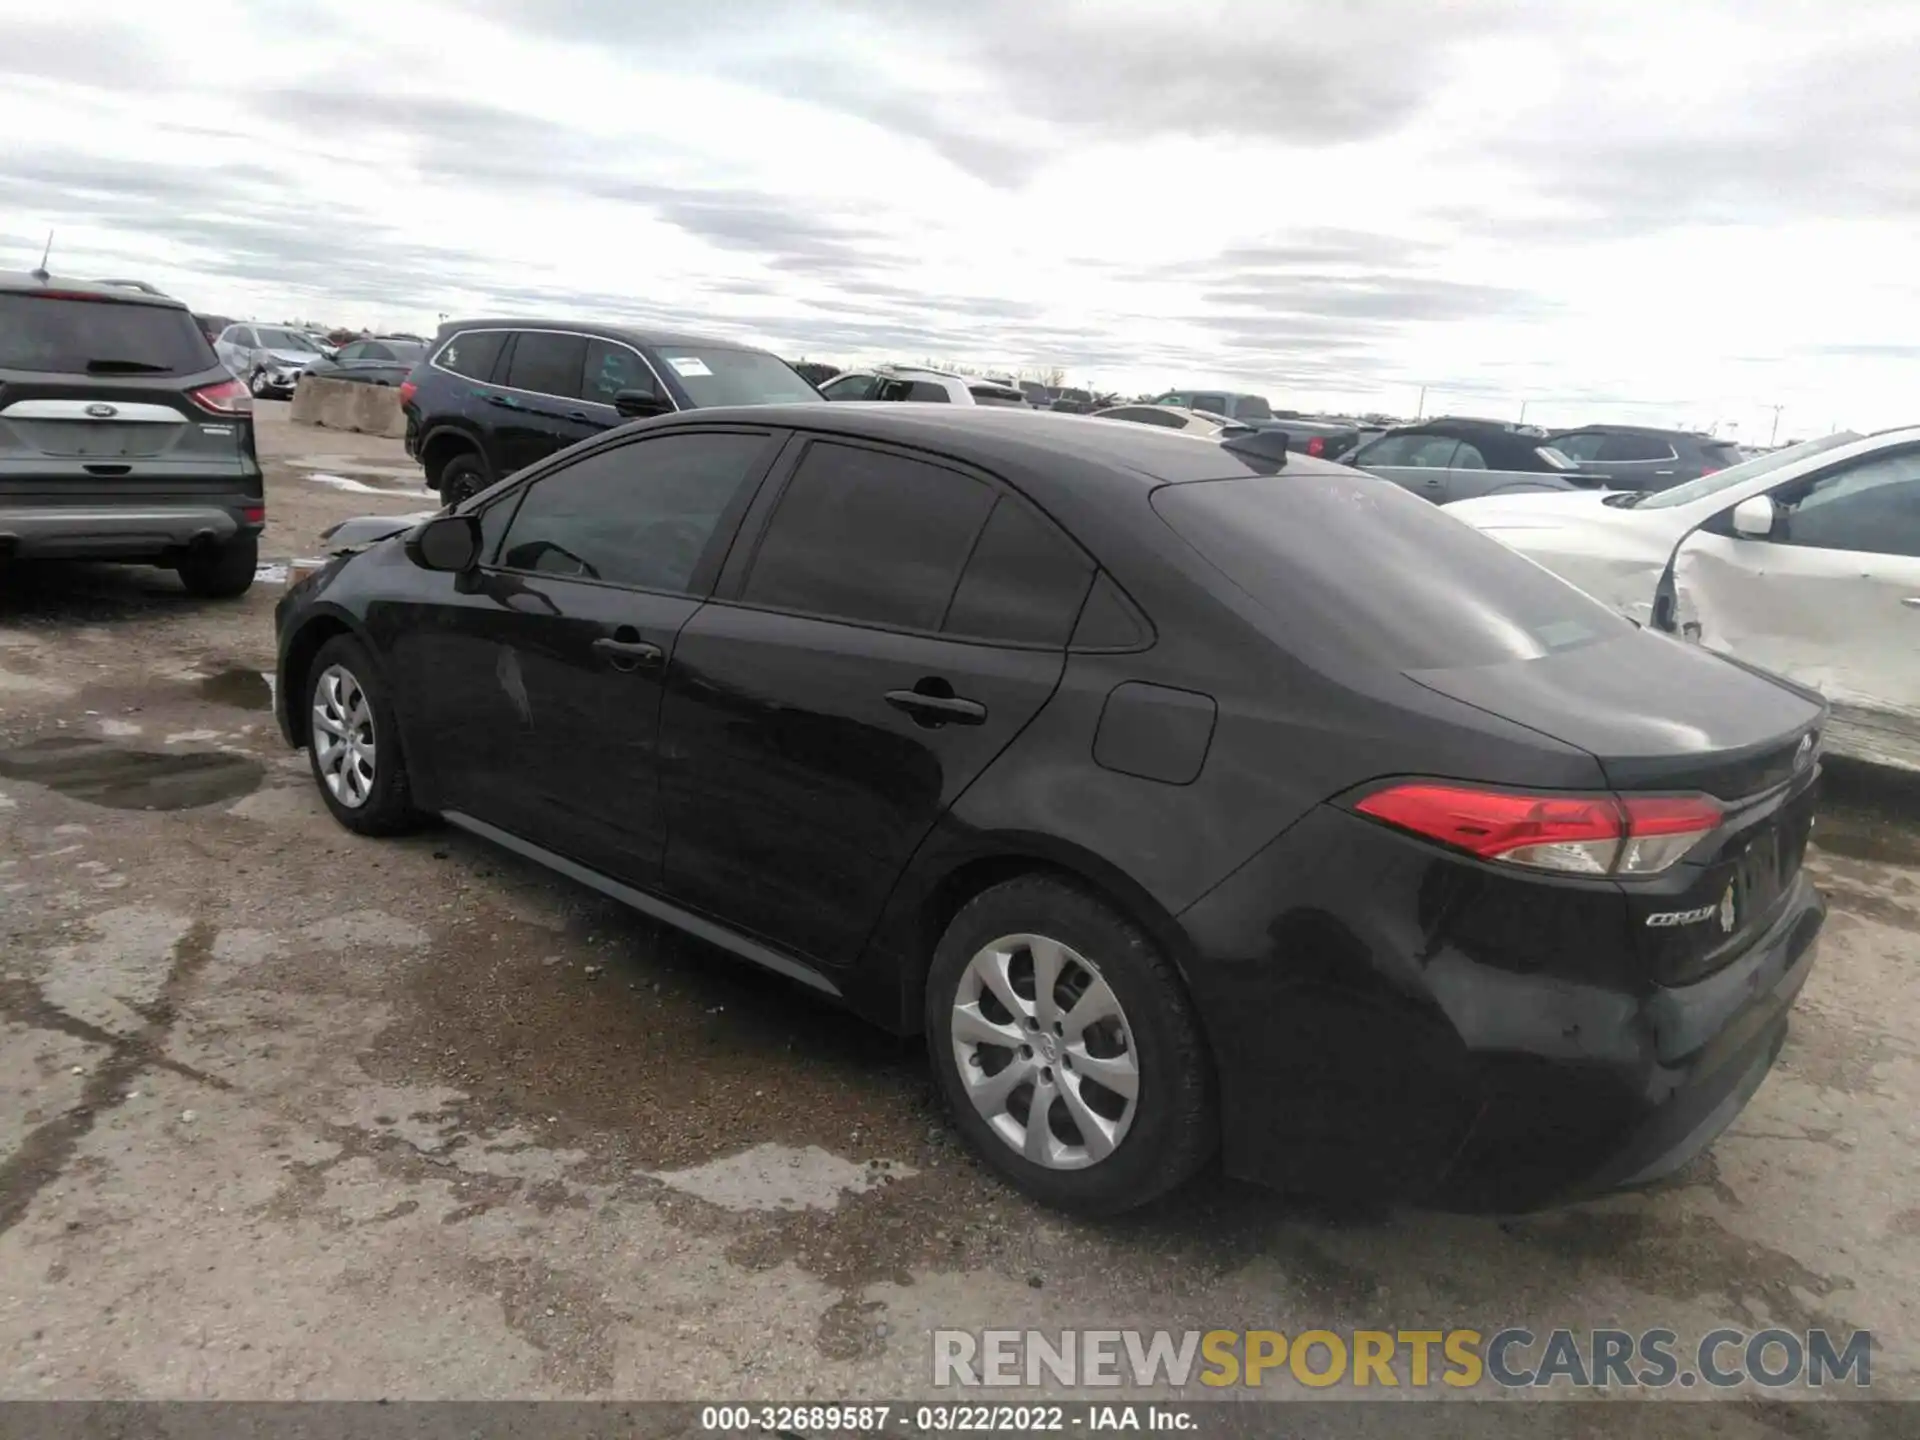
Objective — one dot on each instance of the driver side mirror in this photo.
(638, 404)
(1753, 517)
(449, 543)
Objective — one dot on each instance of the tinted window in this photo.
(1212, 404)
(1468, 457)
(1147, 415)
(276, 339)
(925, 390)
(547, 363)
(1350, 565)
(1873, 506)
(243, 336)
(1024, 582)
(612, 367)
(1252, 407)
(352, 352)
(994, 395)
(716, 376)
(77, 337)
(639, 514)
(374, 350)
(1722, 479)
(1631, 447)
(848, 387)
(1426, 452)
(1580, 447)
(862, 535)
(472, 354)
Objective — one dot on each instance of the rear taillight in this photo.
(1572, 834)
(224, 397)
(254, 514)
(407, 391)
(1317, 445)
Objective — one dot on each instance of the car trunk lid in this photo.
(1664, 717)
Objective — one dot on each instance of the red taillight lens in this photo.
(224, 397)
(407, 391)
(254, 514)
(1573, 834)
(1316, 445)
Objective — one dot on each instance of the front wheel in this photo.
(353, 745)
(221, 572)
(259, 385)
(463, 477)
(1066, 1049)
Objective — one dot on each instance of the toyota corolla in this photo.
(1183, 806)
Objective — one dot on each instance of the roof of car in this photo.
(24, 282)
(1028, 440)
(1657, 430)
(632, 334)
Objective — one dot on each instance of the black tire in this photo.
(1174, 1129)
(259, 387)
(220, 572)
(388, 807)
(462, 477)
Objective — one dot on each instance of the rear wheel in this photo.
(260, 385)
(220, 572)
(1066, 1049)
(353, 745)
(463, 477)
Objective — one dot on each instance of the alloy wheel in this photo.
(259, 386)
(343, 738)
(1044, 1051)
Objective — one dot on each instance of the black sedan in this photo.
(1181, 805)
(371, 362)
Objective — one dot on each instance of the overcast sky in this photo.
(1676, 212)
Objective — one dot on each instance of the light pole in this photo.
(1773, 435)
(1420, 411)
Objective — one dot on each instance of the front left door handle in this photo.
(625, 650)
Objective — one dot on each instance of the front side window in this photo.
(638, 515)
(610, 368)
(866, 535)
(374, 350)
(1468, 457)
(547, 363)
(472, 354)
(848, 387)
(1872, 506)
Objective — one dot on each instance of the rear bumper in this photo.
(133, 530)
(1389, 1022)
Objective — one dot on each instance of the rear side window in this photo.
(547, 364)
(1580, 447)
(1633, 447)
(868, 536)
(1213, 404)
(1252, 407)
(1349, 565)
(1023, 584)
(472, 354)
(99, 337)
(640, 515)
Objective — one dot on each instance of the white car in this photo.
(907, 382)
(1175, 417)
(1804, 561)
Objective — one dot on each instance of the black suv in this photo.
(493, 396)
(1633, 457)
(122, 436)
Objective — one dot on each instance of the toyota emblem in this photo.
(99, 411)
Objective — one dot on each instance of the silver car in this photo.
(270, 358)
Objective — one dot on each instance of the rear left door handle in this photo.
(938, 709)
(625, 650)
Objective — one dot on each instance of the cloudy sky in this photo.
(1678, 212)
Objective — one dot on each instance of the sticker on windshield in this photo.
(689, 366)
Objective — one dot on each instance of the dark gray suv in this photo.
(122, 436)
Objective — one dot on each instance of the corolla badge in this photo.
(101, 411)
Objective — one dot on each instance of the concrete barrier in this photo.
(347, 405)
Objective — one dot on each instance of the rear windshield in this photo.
(713, 376)
(57, 335)
(1359, 566)
(993, 395)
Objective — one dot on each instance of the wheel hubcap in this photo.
(1045, 1052)
(343, 739)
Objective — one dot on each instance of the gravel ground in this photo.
(294, 1114)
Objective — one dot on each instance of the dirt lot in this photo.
(293, 1114)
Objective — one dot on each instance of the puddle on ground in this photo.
(108, 775)
(247, 689)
